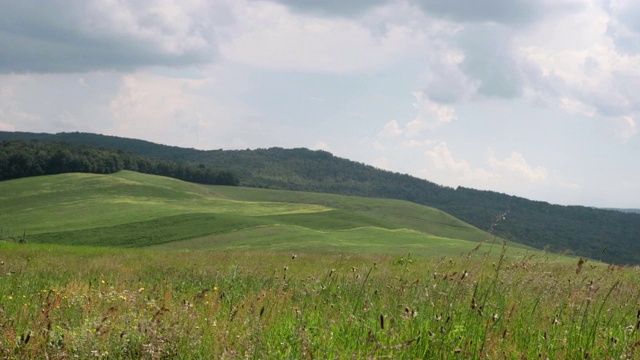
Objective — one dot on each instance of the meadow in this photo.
(129, 209)
(61, 302)
(130, 266)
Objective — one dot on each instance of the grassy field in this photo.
(131, 266)
(62, 302)
(129, 209)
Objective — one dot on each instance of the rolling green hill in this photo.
(611, 236)
(129, 209)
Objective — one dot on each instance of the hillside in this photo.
(129, 209)
(607, 235)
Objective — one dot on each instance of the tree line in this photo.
(21, 158)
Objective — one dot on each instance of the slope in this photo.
(129, 209)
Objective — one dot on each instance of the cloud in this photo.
(624, 26)
(382, 163)
(10, 112)
(391, 129)
(490, 62)
(515, 13)
(577, 66)
(500, 175)
(333, 7)
(321, 145)
(430, 115)
(516, 164)
(458, 170)
(444, 79)
(147, 104)
(204, 112)
(627, 128)
(80, 36)
(419, 144)
(268, 35)
(574, 106)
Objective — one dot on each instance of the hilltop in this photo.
(607, 235)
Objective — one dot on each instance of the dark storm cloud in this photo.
(59, 36)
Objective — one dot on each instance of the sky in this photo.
(534, 98)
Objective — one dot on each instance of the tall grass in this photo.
(64, 302)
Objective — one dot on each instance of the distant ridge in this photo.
(611, 236)
(634, 211)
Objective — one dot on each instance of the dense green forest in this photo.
(22, 158)
(607, 235)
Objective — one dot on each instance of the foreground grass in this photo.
(64, 302)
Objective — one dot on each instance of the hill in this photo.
(129, 209)
(611, 236)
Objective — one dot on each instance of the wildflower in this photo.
(140, 290)
(123, 298)
(215, 288)
(102, 281)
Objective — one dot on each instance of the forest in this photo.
(20, 158)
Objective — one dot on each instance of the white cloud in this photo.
(516, 164)
(624, 26)
(412, 143)
(6, 127)
(189, 112)
(457, 170)
(574, 106)
(378, 145)
(11, 113)
(581, 68)
(444, 81)
(627, 128)
(269, 35)
(430, 115)
(570, 186)
(150, 103)
(321, 145)
(391, 129)
(382, 163)
(498, 175)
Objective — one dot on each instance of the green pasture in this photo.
(129, 209)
